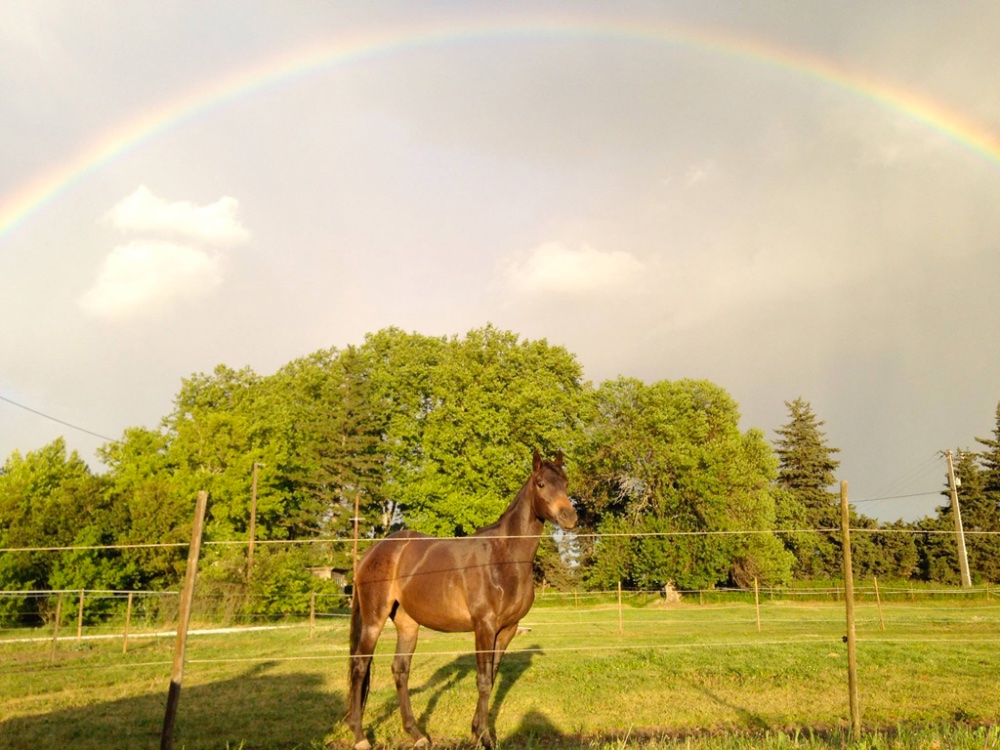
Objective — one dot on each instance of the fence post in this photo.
(756, 601)
(621, 627)
(184, 618)
(128, 623)
(878, 599)
(55, 629)
(357, 511)
(312, 613)
(79, 620)
(852, 655)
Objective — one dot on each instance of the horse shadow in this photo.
(753, 721)
(448, 676)
(251, 707)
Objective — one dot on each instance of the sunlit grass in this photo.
(688, 675)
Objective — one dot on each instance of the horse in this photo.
(481, 583)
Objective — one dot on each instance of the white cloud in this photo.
(699, 172)
(551, 267)
(147, 274)
(215, 223)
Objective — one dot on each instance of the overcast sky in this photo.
(789, 199)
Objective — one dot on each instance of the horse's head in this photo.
(548, 483)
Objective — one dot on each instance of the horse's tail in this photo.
(353, 661)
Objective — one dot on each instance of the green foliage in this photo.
(806, 471)
(51, 499)
(435, 433)
(669, 458)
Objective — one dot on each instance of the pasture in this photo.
(583, 673)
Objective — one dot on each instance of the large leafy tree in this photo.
(805, 473)
(660, 461)
(147, 508)
(49, 498)
(485, 403)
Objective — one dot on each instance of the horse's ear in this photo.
(559, 459)
(536, 462)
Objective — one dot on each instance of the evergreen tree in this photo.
(990, 460)
(984, 513)
(806, 471)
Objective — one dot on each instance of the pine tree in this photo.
(990, 460)
(984, 513)
(806, 471)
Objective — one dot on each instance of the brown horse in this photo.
(481, 583)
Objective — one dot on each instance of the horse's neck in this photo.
(519, 524)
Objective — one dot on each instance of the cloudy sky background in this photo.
(669, 190)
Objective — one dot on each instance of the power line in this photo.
(56, 419)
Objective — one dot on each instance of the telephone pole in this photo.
(963, 558)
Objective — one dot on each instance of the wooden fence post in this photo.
(55, 629)
(79, 620)
(878, 599)
(128, 623)
(756, 601)
(621, 627)
(184, 619)
(312, 613)
(852, 654)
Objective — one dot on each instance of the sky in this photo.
(788, 199)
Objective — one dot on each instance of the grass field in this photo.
(691, 675)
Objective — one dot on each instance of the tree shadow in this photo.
(251, 710)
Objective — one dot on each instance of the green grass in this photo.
(683, 676)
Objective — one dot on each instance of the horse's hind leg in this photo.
(369, 611)
(406, 641)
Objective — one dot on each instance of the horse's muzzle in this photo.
(566, 517)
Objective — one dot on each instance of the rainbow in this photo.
(126, 136)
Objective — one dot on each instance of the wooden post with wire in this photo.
(756, 601)
(852, 654)
(79, 619)
(312, 613)
(55, 629)
(253, 520)
(184, 619)
(878, 600)
(128, 622)
(621, 626)
(357, 513)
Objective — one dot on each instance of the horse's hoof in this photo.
(363, 745)
(422, 744)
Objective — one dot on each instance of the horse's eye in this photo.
(540, 484)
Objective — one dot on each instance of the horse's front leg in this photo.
(485, 642)
(406, 641)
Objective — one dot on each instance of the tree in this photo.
(147, 507)
(668, 459)
(806, 470)
(980, 516)
(461, 446)
(51, 499)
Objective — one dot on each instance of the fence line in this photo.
(595, 535)
(826, 641)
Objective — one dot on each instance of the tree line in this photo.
(436, 434)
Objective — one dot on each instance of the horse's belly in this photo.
(437, 610)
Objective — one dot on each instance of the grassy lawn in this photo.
(686, 676)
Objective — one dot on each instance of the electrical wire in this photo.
(56, 419)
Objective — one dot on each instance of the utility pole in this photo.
(963, 558)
